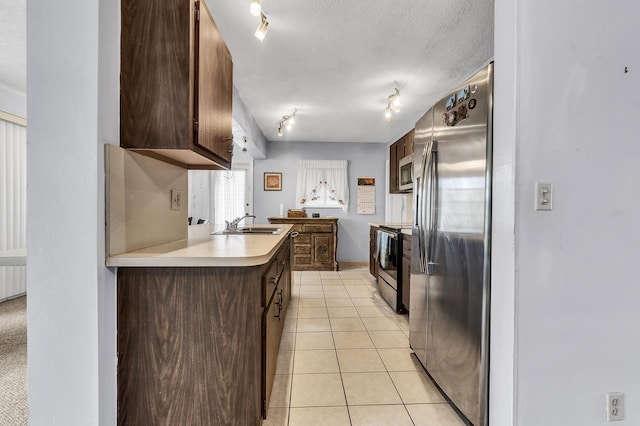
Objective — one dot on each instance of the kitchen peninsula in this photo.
(199, 316)
(199, 326)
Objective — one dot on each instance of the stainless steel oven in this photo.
(389, 259)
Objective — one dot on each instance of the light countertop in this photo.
(17, 257)
(207, 251)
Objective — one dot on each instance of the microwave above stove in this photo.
(405, 173)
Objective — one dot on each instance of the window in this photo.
(216, 196)
(323, 184)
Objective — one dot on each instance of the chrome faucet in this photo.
(233, 225)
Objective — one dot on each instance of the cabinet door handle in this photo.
(279, 311)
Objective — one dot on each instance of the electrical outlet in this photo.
(176, 199)
(615, 406)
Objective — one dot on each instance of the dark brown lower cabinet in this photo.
(373, 242)
(273, 322)
(190, 343)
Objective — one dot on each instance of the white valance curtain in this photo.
(313, 175)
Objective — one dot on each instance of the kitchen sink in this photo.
(250, 230)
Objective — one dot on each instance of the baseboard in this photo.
(353, 264)
(13, 296)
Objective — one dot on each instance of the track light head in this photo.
(387, 113)
(394, 101)
(255, 7)
(287, 122)
(396, 98)
(262, 28)
(393, 104)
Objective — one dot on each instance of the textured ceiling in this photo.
(13, 44)
(336, 61)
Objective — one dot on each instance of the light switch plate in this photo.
(176, 199)
(543, 197)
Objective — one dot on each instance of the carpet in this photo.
(13, 362)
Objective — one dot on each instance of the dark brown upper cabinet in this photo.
(397, 151)
(176, 84)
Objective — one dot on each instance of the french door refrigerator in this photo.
(450, 265)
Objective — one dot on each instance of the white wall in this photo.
(199, 199)
(576, 289)
(245, 125)
(13, 102)
(73, 109)
(365, 160)
(502, 357)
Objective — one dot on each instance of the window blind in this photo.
(13, 200)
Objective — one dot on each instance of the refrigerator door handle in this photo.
(422, 207)
(432, 185)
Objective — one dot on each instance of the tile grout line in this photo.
(344, 391)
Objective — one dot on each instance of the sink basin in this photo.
(250, 230)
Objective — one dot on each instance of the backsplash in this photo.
(138, 201)
(399, 208)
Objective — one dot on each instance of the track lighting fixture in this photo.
(393, 104)
(255, 7)
(287, 122)
(394, 100)
(262, 28)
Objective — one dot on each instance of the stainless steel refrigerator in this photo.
(450, 264)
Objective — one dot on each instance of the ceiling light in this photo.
(387, 113)
(255, 7)
(393, 104)
(287, 122)
(262, 28)
(394, 100)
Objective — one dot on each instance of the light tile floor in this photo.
(345, 359)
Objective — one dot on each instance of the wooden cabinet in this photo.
(406, 270)
(397, 151)
(277, 283)
(373, 243)
(198, 345)
(176, 84)
(315, 247)
(408, 142)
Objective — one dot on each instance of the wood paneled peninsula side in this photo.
(199, 326)
(315, 247)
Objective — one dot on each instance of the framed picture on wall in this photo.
(273, 181)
